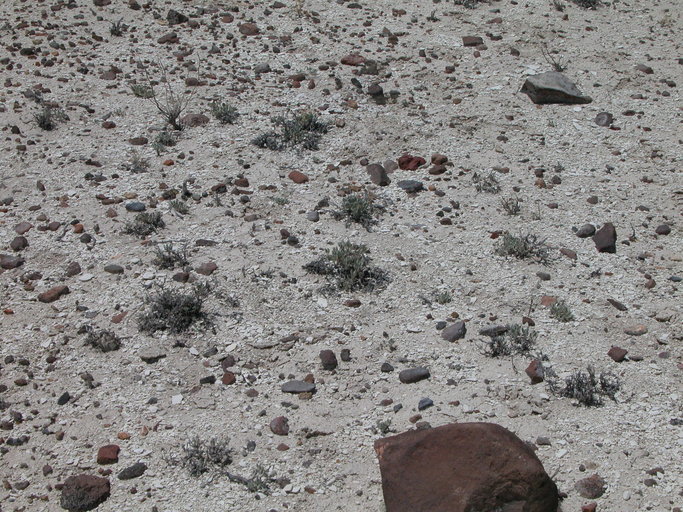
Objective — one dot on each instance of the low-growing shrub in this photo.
(174, 311)
(142, 91)
(511, 205)
(587, 388)
(224, 112)
(588, 4)
(517, 339)
(304, 130)
(103, 340)
(179, 206)
(137, 163)
(527, 246)
(348, 267)
(167, 257)
(358, 208)
(202, 455)
(48, 118)
(488, 183)
(144, 224)
(561, 312)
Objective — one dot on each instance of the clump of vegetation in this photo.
(517, 339)
(587, 388)
(224, 112)
(358, 208)
(144, 224)
(348, 266)
(167, 257)
(201, 455)
(179, 206)
(523, 247)
(588, 4)
(117, 27)
(165, 139)
(511, 205)
(442, 297)
(48, 118)
(555, 62)
(174, 311)
(142, 91)
(469, 4)
(137, 163)
(304, 130)
(488, 183)
(384, 427)
(103, 340)
(561, 312)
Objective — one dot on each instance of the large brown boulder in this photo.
(84, 492)
(463, 467)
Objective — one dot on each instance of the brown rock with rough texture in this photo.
(84, 492)
(53, 293)
(617, 354)
(108, 454)
(194, 120)
(592, 487)
(378, 175)
(606, 238)
(280, 426)
(298, 177)
(535, 371)
(249, 29)
(463, 467)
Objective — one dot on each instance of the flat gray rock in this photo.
(298, 386)
(454, 332)
(553, 87)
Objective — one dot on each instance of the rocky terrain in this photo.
(242, 241)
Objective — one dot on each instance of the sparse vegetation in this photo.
(103, 340)
(200, 456)
(561, 312)
(142, 91)
(167, 257)
(555, 62)
(174, 311)
(517, 339)
(224, 112)
(588, 4)
(469, 4)
(48, 118)
(179, 206)
(165, 139)
(488, 183)
(511, 205)
(170, 103)
(358, 208)
(527, 246)
(587, 388)
(348, 266)
(442, 297)
(137, 163)
(117, 27)
(144, 224)
(304, 130)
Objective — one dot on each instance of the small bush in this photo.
(142, 91)
(469, 4)
(165, 139)
(358, 208)
(561, 312)
(517, 339)
(179, 206)
(259, 481)
(224, 112)
(523, 247)
(488, 183)
(103, 340)
(348, 266)
(137, 163)
(587, 388)
(174, 311)
(588, 4)
(442, 297)
(511, 205)
(48, 118)
(166, 257)
(117, 27)
(144, 224)
(304, 130)
(200, 456)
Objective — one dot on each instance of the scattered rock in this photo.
(617, 354)
(412, 375)
(53, 294)
(378, 175)
(108, 454)
(134, 471)
(298, 387)
(592, 487)
(328, 359)
(84, 492)
(553, 87)
(604, 119)
(606, 238)
(454, 332)
(280, 426)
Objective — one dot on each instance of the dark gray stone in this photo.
(298, 386)
(412, 375)
(553, 87)
(454, 332)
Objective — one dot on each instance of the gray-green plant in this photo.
(587, 388)
(511, 205)
(202, 455)
(144, 224)
(560, 311)
(142, 91)
(49, 117)
(166, 256)
(527, 246)
(302, 130)
(224, 112)
(137, 164)
(174, 311)
(517, 339)
(179, 206)
(488, 183)
(359, 208)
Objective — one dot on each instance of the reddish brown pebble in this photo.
(298, 177)
(108, 454)
(617, 354)
(53, 293)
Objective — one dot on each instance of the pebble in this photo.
(297, 387)
(413, 375)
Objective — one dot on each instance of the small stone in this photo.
(298, 177)
(84, 492)
(206, 269)
(636, 330)
(643, 68)
(454, 332)
(592, 487)
(19, 243)
(424, 403)
(553, 87)
(585, 231)
(194, 120)
(64, 398)
(108, 454)
(135, 206)
(53, 294)
(411, 186)
(22, 228)
(535, 371)
(472, 41)
(604, 119)
(378, 175)
(413, 375)
(617, 304)
(249, 29)
(297, 387)
(617, 354)
(133, 471)
(410, 162)
(280, 426)
(113, 269)
(228, 378)
(663, 229)
(605, 239)
(386, 368)
(328, 359)
(8, 262)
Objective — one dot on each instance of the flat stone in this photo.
(133, 471)
(108, 454)
(10, 262)
(454, 332)
(636, 330)
(617, 354)
(585, 231)
(413, 375)
(592, 487)
(411, 186)
(113, 269)
(297, 387)
(553, 87)
(53, 294)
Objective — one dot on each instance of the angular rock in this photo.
(553, 87)
(206, 269)
(108, 454)
(53, 294)
(472, 40)
(454, 331)
(412, 375)
(328, 360)
(297, 387)
(617, 304)
(585, 231)
(411, 186)
(249, 29)
(9, 262)
(378, 175)
(494, 330)
(353, 60)
(175, 18)
(617, 354)
(463, 467)
(410, 162)
(535, 371)
(84, 492)
(592, 487)
(606, 238)
(280, 426)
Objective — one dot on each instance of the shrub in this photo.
(165, 139)
(200, 456)
(48, 118)
(442, 297)
(303, 130)
(561, 312)
(103, 340)
(179, 206)
(142, 91)
(137, 163)
(224, 112)
(488, 183)
(587, 388)
(348, 266)
(174, 311)
(166, 257)
(588, 4)
(358, 208)
(144, 224)
(523, 247)
(517, 339)
(511, 205)
(116, 28)
(469, 4)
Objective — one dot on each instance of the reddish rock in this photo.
(194, 120)
(568, 253)
(206, 269)
(22, 228)
(53, 294)
(463, 467)
(9, 262)
(535, 371)
(410, 162)
(19, 243)
(439, 159)
(592, 487)
(228, 378)
(606, 238)
(84, 492)
(548, 300)
(353, 60)
(280, 426)
(108, 454)
(328, 359)
(249, 29)
(138, 141)
(590, 507)
(298, 177)
(352, 303)
(617, 354)
(636, 330)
